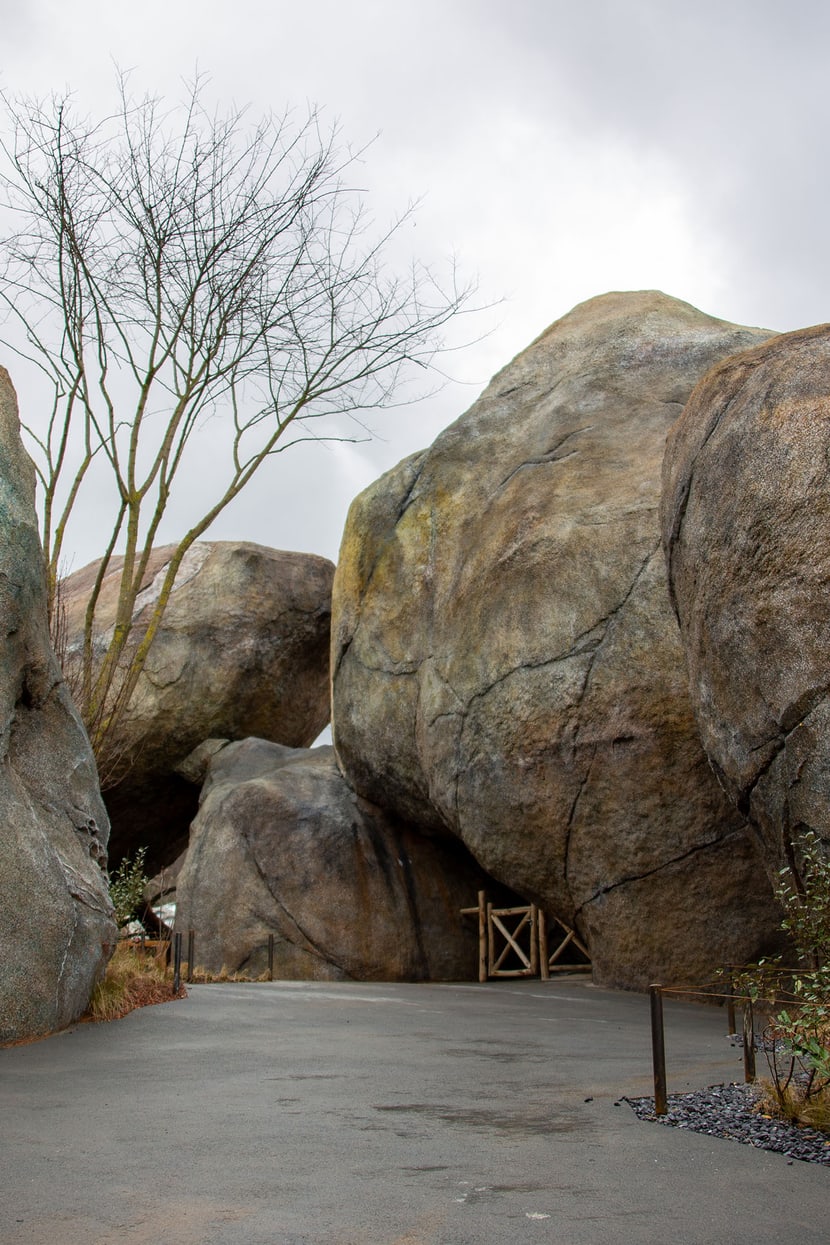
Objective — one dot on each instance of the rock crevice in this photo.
(745, 512)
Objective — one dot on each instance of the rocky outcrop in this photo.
(506, 666)
(746, 517)
(242, 650)
(56, 921)
(283, 846)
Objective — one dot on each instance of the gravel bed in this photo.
(729, 1111)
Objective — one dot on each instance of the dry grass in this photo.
(795, 1103)
(133, 979)
(203, 976)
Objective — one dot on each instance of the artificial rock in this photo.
(506, 666)
(746, 515)
(57, 929)
(242, 650)
(283, 846)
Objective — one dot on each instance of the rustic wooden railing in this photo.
(515, 942)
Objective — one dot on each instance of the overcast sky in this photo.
(561, 149)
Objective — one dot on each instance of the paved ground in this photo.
(284, 1113)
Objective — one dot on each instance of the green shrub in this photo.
(797, 1042)
(127, 885)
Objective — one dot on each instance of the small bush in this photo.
(797, 1038)
(127, 885)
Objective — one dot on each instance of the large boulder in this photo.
(283, 846)
(506, 665)
(242, 650)
(746, 519)
(56, 920)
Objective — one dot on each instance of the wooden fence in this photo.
(517, 942)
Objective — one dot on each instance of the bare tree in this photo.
(167, 265)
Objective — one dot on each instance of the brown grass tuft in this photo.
(204, 976)
(794, 1102)
(133, 979)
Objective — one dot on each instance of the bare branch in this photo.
(170, 266)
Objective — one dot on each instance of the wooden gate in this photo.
(516, 942)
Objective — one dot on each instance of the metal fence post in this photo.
(658, 1049)
(177, 962)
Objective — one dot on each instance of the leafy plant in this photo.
(797, 1038)
(805, 896)
(127, 885)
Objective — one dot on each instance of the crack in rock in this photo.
(795, 713)
(684, 488)
(666, 864)
(571, 814)
(549, 456)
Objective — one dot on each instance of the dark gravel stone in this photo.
(730, 1111)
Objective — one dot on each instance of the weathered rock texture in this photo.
(505, 660)
(746, 518)
(242, 650)
(282, 845)
(56, 922)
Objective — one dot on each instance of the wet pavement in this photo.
(376, 1114)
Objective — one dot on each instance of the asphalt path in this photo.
(373, 1114)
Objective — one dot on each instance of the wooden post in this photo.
(749, 1042)
(534, 940)
(482, 935)
(543, 945)
(491, 945)
(658, 1050)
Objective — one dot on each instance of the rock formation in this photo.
(746, 517)
(56, 922)
(506, 666)
(282, 845)
(242, 650)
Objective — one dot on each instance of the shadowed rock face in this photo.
(56, 921)
(746, 517)
(242, 650)
(505, 662)
(282, 845)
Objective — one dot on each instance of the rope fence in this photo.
(772, 998)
